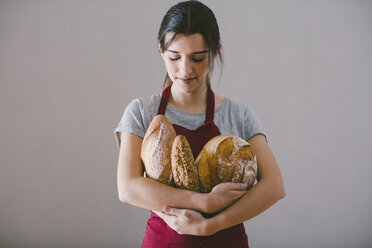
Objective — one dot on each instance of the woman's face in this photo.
(186, 60)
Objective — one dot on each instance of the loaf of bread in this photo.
(226, 158)
(168, 158)
(157, 148)
(185, 173)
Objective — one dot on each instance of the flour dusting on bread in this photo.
(157, 148)
(226, 158)
(168, 158)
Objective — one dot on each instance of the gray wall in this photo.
(69, 68)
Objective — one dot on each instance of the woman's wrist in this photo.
(199, 201)
(207, 203)
(212, 225)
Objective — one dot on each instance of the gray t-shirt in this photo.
(231, 118)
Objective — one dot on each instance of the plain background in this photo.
(69, 68)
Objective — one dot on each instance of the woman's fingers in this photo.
(173, 211)
(183, 221)
(223, 195)
(230, 186)
(160, 214)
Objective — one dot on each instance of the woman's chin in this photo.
(185, 88)
(188, 87)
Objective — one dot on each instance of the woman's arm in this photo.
(147, 193)
(268, 190)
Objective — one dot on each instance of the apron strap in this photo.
(164, 101)
(209, 116)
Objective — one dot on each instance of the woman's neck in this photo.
(192, 102)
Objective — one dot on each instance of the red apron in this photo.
(158, 234)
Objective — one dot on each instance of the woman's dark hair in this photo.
(188, 18)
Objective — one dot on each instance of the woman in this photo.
(189, 43)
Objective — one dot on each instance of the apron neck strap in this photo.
(164, 101)
(210, 104)
(210, 108)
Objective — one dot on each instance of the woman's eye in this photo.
(194, 59)
(198, 60)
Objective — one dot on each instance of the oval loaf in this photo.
(156, 149)
(185, 173)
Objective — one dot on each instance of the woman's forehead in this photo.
(188, 44)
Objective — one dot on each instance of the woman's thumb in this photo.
(171, 211)
(237, 186)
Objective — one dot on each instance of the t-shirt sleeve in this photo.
(131, 121)
(252, 125)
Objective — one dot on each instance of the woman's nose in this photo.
(186, 67)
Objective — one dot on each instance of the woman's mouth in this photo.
(186, 80)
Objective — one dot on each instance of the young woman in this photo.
(189, 42)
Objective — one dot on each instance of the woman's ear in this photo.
(160, 51)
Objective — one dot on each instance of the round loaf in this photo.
(226, 158)
(156, 149)
(185, 173)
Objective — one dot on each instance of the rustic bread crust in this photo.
(185, 173)
(226, 158)
(168, 158)
(157, 148)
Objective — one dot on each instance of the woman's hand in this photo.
(223, 195)
(186, 221)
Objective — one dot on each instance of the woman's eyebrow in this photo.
(205, 51)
